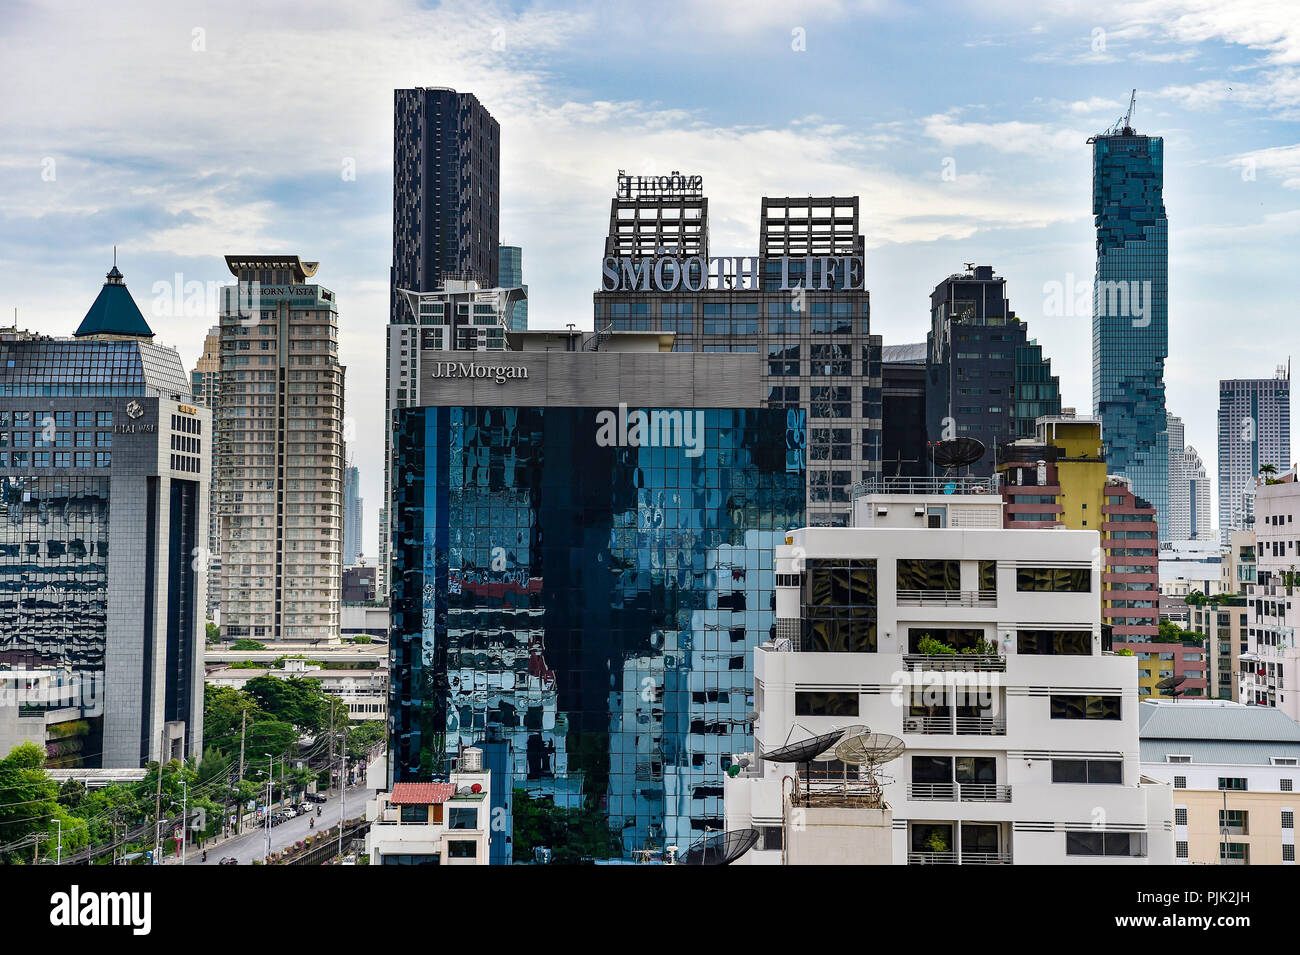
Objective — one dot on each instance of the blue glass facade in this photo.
(589, 612)
(510, 274)
(1130, 324)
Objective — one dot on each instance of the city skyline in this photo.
(994, 174)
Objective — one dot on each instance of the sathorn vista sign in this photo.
(698, 273)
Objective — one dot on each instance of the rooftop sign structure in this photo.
(673, 186)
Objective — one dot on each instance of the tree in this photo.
(246, 644)
(212, 633)
(30, 796)
(295, 700)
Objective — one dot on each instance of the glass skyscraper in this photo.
(1130, 326)
(586, 613)
(511, 275)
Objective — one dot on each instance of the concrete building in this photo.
(205, 384)
(279, 470)
(434, 823)
(982, 650)
(1233, 769)
(1225, 623)
(353, 515)
(1254, 432)
(984, 378)
(359, 585)
(510, 274)
(1189, 490)
(1270, 665)
(364, 691)
(104, 475)
(801, 305)
(446, 223)
(903, 450)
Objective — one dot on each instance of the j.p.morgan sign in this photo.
(696, 273)
(470, 369)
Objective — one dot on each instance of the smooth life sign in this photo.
(698, 273)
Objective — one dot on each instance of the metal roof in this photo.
(1214, 721)
(914, 352)
(114, 312)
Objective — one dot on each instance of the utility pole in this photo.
(58, 859)
(157, 800)
(343, 792)
(239, 810)
(270, 779)
(185, 817)
(331, 762)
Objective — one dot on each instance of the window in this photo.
(1054, 642)
(1288, 853)
(1234, 851)
(1286, 785)
(825, 704)
(462, 849)
(1094, 771)
(462, 817)
(1233, 820)
(415, 814)
(1180, 782)
(1075, 580)
(1288, 819)
(928, 575)
(770, 837)
(1232, 784)
(1180, 816)
(1104, 844)
(839, 606)
(1085, 707)
(1180, 850)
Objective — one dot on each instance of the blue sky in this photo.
(182, 134)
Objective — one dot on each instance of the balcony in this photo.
(986, 858)
(946, 598)
(932, 858)
(964, 726)
(926, 485)
(958, 792)
(955, 661)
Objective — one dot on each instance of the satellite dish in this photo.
(720, 848)
(869, 749)
(853, 729)
(804, 751)
(1171, 684)
(956, 452)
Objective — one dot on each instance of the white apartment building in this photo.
(279, 467)
(1270, 664)
(436, 823)
(1023, 750)
(1254, 431)
(1233, 769)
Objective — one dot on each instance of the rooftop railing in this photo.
(935, 484)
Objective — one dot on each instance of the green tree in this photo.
(296, 700)
(212, 633)
(30, 797)
(246, 644)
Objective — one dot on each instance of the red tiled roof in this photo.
(421, 794)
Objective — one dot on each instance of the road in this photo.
(252, 844)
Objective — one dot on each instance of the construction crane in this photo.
(1126, 124)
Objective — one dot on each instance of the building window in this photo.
(1234, 851)
(1180, 816)
(920, 574)
(1286, 785)
(462, 817)
(1054, 642)
(1288, 852)
(1232, 784)
(462, 849)
(1181, 851)
(1079, 706)
(1094, 771)
(1180, 782)
(825, 704)
(1288, 819)
(415, 814)
(1073, 580)
(1104, 844)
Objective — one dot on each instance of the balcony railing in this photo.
(986, 858)
(964, 725)
(959, 792)
(926, 485)
(955, 661)
(932, 858)
(947, 598)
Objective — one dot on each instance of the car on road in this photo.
(317, 797)
(228, 860)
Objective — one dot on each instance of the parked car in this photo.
(228, 860)
(317, 797)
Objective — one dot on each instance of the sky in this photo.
(182, 132)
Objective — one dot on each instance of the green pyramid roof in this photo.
(114, 312)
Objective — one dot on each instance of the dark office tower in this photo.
(802, 304)
(1130, 326)
(446, 188)
(446, 219)
(979, 364)
(902, 407)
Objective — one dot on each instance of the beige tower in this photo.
(205, 382)
(280, 460)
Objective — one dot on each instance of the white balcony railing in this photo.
(959, 792)
(946, 598)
